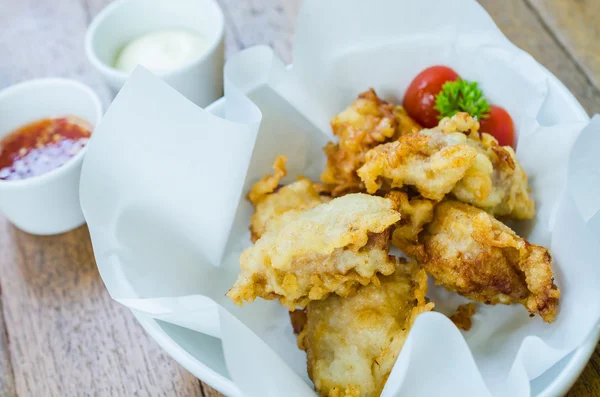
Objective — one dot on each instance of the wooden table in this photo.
(60, 333)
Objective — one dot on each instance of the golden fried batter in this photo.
(298, 320)
(268, 184)
(306, 255)
(431, 161)
(270, 202)
(496, 182)
(367, 122)
(300, 195)
(470, 252)
(462, 317)
(453, 158)
(415, 213)
(352, 343)
(406, 124)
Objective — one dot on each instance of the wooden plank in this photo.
(575, 24)
(7, 381)
(33, 44)
(67, 336)
(271, 22)
(210, 392)
(523, 26)
(249, 23)
(268, 22)
(93, 7)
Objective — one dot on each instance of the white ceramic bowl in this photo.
(49, 203)
(200, 80)
(202, 354)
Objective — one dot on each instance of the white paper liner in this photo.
(163, 183)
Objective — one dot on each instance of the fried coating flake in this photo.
(352, 343)
(462, 317)
(298, 320)
(470, 252)
(268, 184)
(306, 255)
(415, 213)
(453, 158)
(366, 123)
(270, 202)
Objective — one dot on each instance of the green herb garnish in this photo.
(461, 96)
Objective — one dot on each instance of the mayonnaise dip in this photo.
(162, 51)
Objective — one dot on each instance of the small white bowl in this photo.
(48, 203)
(200, 80)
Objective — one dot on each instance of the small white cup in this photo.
(200, 80)
(48, 203)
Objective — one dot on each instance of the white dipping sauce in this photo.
(161, 51)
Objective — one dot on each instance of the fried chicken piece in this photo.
(366, 123)
(306, 255)
(470, 252)
(352, 343)
(462, 317)
(503, 189)
(453, 158)
(415, 213)
(431, 161)
(270, 200)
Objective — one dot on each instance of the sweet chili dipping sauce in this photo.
(41, 146)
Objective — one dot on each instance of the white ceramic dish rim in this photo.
(119, 74)
(558, 387)
(78, 158)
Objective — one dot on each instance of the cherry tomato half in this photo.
(419, 100)
(500, 125)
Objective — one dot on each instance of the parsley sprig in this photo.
(461, 96)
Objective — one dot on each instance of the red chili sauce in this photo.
(41, 146)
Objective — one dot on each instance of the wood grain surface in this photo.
(577, 28)
(7, 380)
(66, 336)
(524, 27)
(60, 332)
